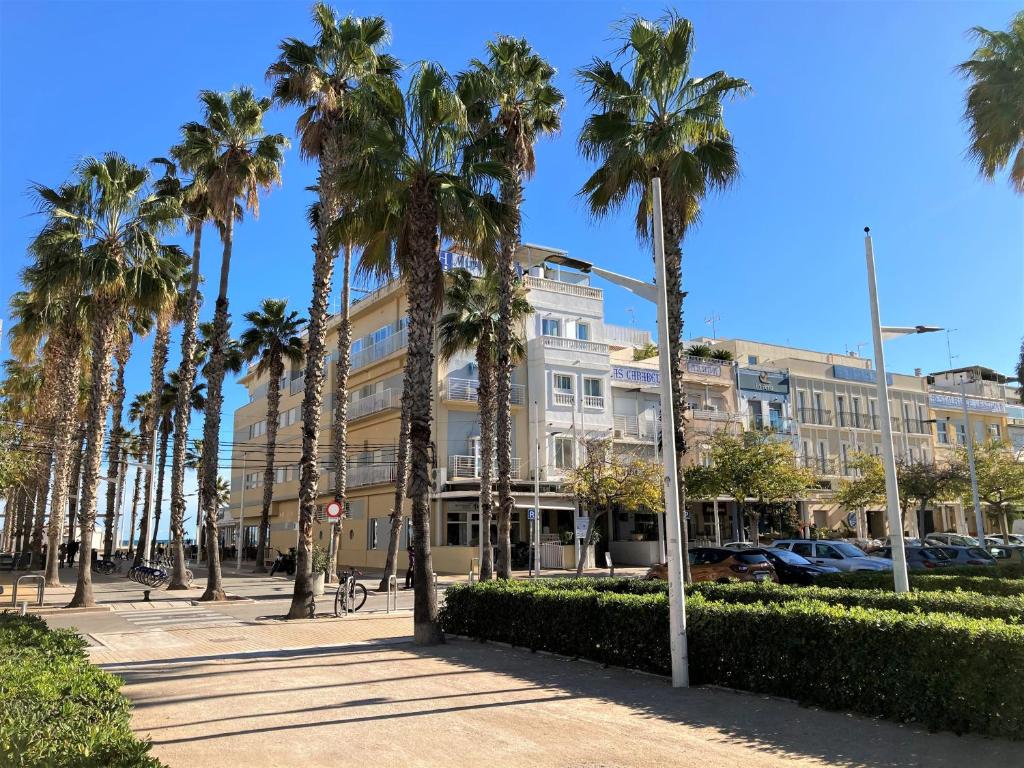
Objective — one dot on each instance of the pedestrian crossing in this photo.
(180, 615)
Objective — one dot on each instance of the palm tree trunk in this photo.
(312, 398)
(135, 511)
(273, 415)
(22, 525)
(96, 423)
(161, 343)
(116, 433)
(512, 196)
(42, 494)
(401, 472)
(674, 231)
(211, 422)
(424, 275)
(485, 396)
(76, 481)
(340, 451)
(183, 415)
(165, 437)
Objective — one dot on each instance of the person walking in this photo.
(62, 553)
(72, 551)
(409, 579)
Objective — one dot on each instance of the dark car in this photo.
(967, 555)
(792, 568)
(918, 558)
(722, 565)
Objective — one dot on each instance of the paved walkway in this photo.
(467, 704)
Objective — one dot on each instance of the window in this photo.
(592, 388)
(583, 331)
(258, 429)
(802, 548)
(563, 453)
(846, 459)
(942, 433)
(819, 408)
(994, 430)
(841, 409)
(563, 382)
(822, 457)
(551, 327)
(828, 552)
(873, 413)
(855, 410)
(371, 532)
(254, 480)
(463, 529)
(751, 359)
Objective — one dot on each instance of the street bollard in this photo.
(392, 589)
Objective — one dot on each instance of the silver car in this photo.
(838, 554)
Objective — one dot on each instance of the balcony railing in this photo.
(468, 468)
(564, 398)
(709, 414)
(375, 403)
(917, 426)
(569, 289)
(574, 345)
(822, 465)
(634, 428)
(780, 426)
(467, 390)
(593, 401)
(815, 416)
(380, 350)
(370, 474)
(853, 420)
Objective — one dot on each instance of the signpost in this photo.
(335, 511)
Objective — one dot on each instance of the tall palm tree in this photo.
(654, 119)
(234, 158)
(418, 186)
(140, 412)
(194, 461)
(111, 227)
(471, 325)
(994, 104)
(321, 78)
(512, 102)
(133, 450)
(273, 336)
(22, 390)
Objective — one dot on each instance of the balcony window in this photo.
(551, 327)
(583, 331)
(564, 453)
(593, 393)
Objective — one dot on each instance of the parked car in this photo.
(721, 565)
(838, 554)
(997, 541)
(739, 545)
(1004, 554)
(792, 568)
(918, 558)
(967, 555)
(952, 539)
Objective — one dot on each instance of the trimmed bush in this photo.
(1009, 609)
(938, 669)
(56, 709)
(928, 582)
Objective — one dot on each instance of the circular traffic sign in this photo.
(334, 510)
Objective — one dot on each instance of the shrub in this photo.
(937, 668)
(927, 582)
(58, 709)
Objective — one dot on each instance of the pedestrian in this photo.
(72, 551)
(62, 553)
(409, 577)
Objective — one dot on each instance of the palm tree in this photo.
(322, 79)
(471, 324)
(22, 390)
(417, 186)
(234, 159)
(109, 226)
(697, 350)
(271, 338)
(140, 412)
(512, 102)
(722, 354)
(654, 119)
(194, 461)
(994, 105)
(133, 449)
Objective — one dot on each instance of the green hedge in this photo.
(935, 669)
(56, 709)
(1005, 608)
(927, 582)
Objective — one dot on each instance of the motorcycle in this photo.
(284, 562)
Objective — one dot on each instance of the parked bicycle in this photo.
(356, 593)
(106, 567)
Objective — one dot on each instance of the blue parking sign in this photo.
(531, 514)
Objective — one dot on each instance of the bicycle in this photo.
(356, 594)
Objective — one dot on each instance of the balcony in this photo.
(468, 468)
(555, 286)
(563, 398)
(380, 350)
(375, 403)
(820, 465)
(815, 416)
(778, 425)
(574, 345)
(370, 474)
(467, 391)
(708, 414)
(634, 428)
(594, 401)
(852, 420)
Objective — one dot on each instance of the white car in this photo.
(838, 554)
(951, 539)
(997, 540)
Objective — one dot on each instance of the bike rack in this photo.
(40, 583)
(392, 589)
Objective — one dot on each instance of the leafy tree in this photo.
(654, 119)
(608, 480)
(273, 336)
(994, 104)
(471, 324)
(1000, 475)
(722, 354)
(646, 352)
(698, 350)
(512, 102)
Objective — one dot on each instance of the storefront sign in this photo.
(849, 373)
(704, 368)
(936, 400)
(756, 380)
(451, 260)
(644, 376)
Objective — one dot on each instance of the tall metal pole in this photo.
(535, 569)
(979, 520)
(892, 493)
(152, 497)
(241, 515)
(676, 593)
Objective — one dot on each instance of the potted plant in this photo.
(320, 565)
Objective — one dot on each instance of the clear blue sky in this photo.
(854, 120)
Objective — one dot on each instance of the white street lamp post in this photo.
(979, 521)
(153, 499)
(892, 494)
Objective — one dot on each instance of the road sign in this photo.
(334, 510)
(531, 514)
(582, 523)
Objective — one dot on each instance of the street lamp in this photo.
(979, 521)
(892, 493)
